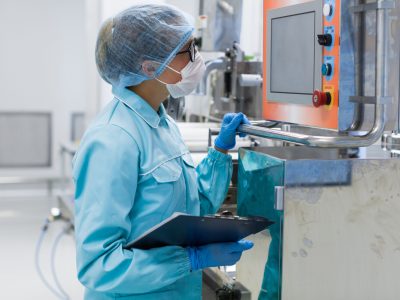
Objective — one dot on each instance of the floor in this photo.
(20, 222)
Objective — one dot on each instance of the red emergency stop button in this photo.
(321, 98)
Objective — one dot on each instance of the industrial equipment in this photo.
(331, 65)
(331, 76)
(236, 85)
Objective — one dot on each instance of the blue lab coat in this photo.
(132, 171)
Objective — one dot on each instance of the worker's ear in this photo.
(149, 68)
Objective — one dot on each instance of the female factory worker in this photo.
(133, 169)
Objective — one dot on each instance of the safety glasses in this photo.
(191, 50)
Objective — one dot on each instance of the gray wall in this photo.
(42, 68)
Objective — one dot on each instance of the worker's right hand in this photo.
(226, 139)
(219, 254)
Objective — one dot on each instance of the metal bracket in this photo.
(279, 197)
(391, 142)
(383, 4)
(371, 100)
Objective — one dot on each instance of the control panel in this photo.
(309, 96)
(329, 41)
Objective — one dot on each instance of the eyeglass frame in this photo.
(191, 50)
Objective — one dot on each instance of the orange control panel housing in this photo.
(325, 116)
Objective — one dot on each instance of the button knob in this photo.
(321, 98)
(325, 39)
(326, 69)
(327, 10)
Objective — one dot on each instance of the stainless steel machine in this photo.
(331, 83)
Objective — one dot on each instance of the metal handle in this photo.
(279, 198)
(322, 141)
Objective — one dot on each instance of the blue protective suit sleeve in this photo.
(106, 173)
(214, 174)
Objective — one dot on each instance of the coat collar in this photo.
(140, 106)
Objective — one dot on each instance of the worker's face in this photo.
(178, 63)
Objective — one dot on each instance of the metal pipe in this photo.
(398, 102)
(382, 53)
(359, 24)
(216, 64)
(358, 117)
(381, 91)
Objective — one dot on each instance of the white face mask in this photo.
(191, 76)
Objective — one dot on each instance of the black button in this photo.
(325, 39)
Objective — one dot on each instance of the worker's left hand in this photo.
(218, 254)
(226, 139)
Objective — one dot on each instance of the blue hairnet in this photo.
(141, 33)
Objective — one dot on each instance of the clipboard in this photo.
(191, 231)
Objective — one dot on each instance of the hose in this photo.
(53, 267)
(61, 293)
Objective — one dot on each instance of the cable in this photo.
(53, 256)
(37, 265)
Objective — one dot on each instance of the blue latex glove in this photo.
(226, 139)
(219, 254)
